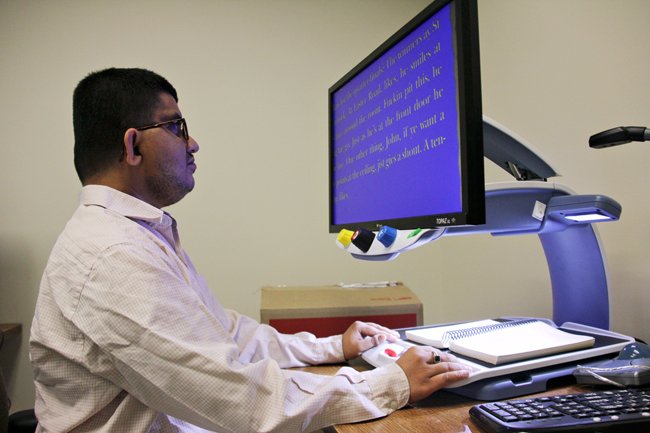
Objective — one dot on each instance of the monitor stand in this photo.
(533, 205)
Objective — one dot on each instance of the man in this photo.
(127, 337)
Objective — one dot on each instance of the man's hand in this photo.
(361, 336)
(428, 371)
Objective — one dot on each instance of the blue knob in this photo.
(387, 235)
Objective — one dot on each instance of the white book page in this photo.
(530, 340)
(435, 336)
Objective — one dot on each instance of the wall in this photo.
(253, 78)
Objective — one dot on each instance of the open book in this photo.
(497, 342)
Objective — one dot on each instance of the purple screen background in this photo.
(396, 151)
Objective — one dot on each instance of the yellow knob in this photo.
(345, 237)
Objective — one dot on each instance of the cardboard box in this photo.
(329, 310)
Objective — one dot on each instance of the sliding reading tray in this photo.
(496, 382)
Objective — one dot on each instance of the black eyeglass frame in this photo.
(182, 128)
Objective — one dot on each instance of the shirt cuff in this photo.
(389, 386)
(329, 350)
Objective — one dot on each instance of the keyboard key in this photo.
(581, 412)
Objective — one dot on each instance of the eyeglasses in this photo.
(178, 127)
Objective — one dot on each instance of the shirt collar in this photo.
(124, 204)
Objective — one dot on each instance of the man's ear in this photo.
(131, 151)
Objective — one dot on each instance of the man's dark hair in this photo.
(104, 105)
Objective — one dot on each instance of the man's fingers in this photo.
(367, 343)
(447, 372)
(425, 375)
(370, 328)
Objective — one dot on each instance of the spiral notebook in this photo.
(499, 342)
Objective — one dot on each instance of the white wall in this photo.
(253, 77)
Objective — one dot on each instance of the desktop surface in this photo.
(442, 412)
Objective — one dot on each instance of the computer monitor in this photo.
(405, 126)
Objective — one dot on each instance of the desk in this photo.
(10, 328)
(5, 330)
(443, 412)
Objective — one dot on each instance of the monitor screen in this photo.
(405, 126)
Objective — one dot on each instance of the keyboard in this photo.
(624, 410)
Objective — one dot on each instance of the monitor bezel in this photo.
(470, 121)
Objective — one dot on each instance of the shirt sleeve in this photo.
(257, 341)
(149, 332)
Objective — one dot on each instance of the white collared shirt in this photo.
(127, 337)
